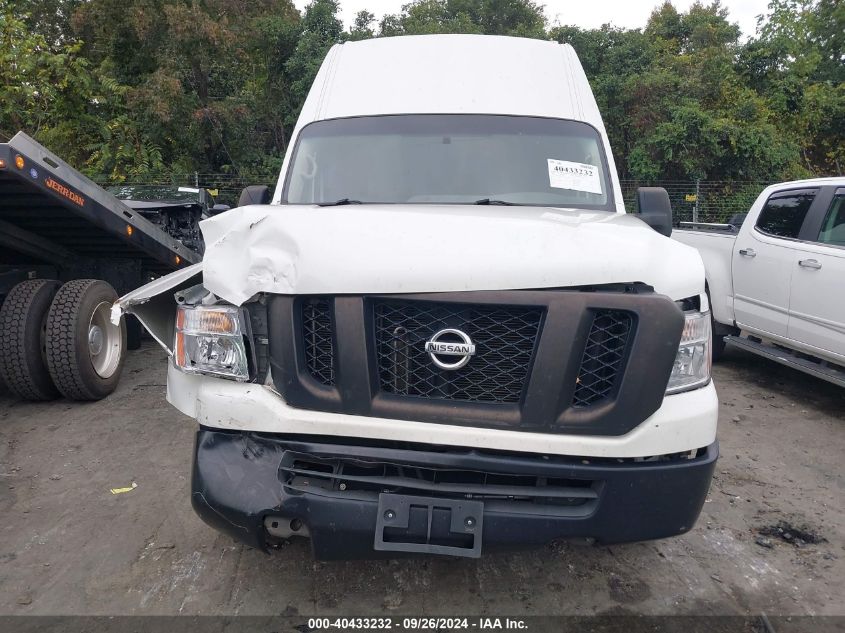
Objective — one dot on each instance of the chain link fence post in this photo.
(697, 198)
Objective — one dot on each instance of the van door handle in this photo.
(748, 252)
(810, 263)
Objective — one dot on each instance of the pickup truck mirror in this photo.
(254, 194)
(654, 209)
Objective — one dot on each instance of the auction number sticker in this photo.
(564, 174)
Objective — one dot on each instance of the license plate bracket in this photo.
(407, 523)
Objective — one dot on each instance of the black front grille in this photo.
(504, 337)
(303, 472)
(317, 336)
(603, 359)
(582, 362)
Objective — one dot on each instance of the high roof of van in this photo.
(455, 74)
(452, 74)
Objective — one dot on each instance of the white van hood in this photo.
(371, 249)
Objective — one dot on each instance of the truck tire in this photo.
(23, 317)
(719, 331)
(85, 351)
(718, 340)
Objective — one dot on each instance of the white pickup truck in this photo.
(443, 331)
(777, 282)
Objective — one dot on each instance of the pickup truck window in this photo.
(833, 228)
(450, 159)
(783, 214)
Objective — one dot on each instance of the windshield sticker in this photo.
(564, 174)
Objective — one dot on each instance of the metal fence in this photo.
(701, 200)
(692, 201)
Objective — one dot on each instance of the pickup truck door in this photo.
(817, 305)
(763, 261)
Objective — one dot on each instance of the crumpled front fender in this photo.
(154, 304)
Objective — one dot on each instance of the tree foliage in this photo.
(137, 88)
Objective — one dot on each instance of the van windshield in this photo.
(449, 159)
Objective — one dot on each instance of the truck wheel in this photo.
(23, 317)
(718, 340)
(85, 350)
(717, 333)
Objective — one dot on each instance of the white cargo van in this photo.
(443, 332)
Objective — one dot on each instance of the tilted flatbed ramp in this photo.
(50, 213)
(68, 249)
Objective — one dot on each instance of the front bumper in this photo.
(685, 421)
(242, 478)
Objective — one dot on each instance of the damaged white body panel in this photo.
(318, 251)
(154, 304)
(244, 262)
(308, 250)
(683, 420)
(374, 249)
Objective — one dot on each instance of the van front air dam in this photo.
(239, 478)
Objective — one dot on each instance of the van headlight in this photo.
(692, 363)
(210, 340)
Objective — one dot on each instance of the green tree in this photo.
(203, 83)
(522, 18)
(362, 27)
(137, 89)
(797, 65)
(612, 58)
(673, 103)
(42, 85)
(321, 28)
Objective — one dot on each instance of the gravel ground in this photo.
(770, 538)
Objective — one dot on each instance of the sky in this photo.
(589, 15)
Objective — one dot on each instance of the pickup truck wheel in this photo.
(23, 317)
(85, 350)
(717, 334)
(718, 345)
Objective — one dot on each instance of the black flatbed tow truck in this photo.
(68, 248)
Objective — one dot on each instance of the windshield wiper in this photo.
(492, 201)
(339, 203)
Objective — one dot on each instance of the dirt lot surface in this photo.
(69, 546)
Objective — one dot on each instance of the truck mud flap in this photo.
(452, 527)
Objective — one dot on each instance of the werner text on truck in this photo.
(443, 332)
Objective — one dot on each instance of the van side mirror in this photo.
(254, 194)
(654, 209)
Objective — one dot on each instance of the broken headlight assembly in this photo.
(691, 369)
(210, 340)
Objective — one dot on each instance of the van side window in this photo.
(833, 227)
(783, 214)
